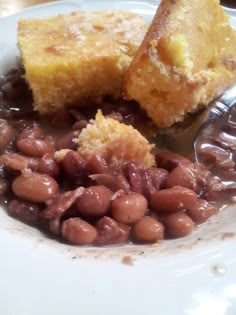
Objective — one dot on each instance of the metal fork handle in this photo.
(219, 107)
(229, 96)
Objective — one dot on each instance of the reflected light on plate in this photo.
(208, 304)
(230, 291)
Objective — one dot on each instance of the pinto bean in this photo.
(48, 165)
(113, 182)
(51, 140)
(68, 141)
(95, 201)
(173, 199)
(34, 147)
(32, 133)
(111, 232)
(201, 211)
(194, 176)
(6, 134)
(24, 210)
(78, 231)
(19, 162)
(147, 230)
(97, 164)
(178, 224)
(182, 175)
(14, 161)
(74, 166)
(128, 209)
(169, 160)
(35, 187)
(78, 125)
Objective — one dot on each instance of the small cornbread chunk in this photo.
(76, 57)
(60, 154)
(116, 142)
(186, 60)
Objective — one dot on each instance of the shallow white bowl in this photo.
(195, 275)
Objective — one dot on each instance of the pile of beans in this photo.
(86, 201)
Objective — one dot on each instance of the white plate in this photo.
(195, 275)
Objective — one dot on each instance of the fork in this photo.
(185, 141)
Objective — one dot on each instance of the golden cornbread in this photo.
(60, 154)
(117, 143)
(72, 58)
(187, 59)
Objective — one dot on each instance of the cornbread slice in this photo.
(117, 143)
(187, 59)
(79, 56)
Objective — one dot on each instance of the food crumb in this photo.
(227, 235)
(218, 270)
(127, 260)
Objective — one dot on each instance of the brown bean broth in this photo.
(228, 3)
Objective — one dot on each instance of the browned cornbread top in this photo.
(187, 58)
(78, 55)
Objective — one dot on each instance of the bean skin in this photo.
(178, 224)
(173, 199)
(33, 133)
(128, 209)
(147, 230)
(111, 232)
(78, 231)
(95, 201)
(114, 182)
(48, 165)
(14, 161)
(97, 164)
(182, 175)
(78, 125)
(34, 147)
(192, 175)
(19, 162)
(35, 187)
(201, 211)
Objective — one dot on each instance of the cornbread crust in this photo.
(187, 59)
(80, 56)
(117, 143)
